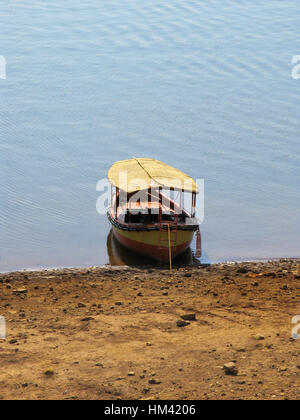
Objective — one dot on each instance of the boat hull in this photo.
(147, 242)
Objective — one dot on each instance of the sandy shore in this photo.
(113, 333)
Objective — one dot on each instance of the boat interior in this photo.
(148, 208)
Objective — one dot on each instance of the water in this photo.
(205, 86)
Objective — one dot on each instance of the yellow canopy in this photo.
(139, 174)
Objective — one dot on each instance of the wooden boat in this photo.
(144, 214)
(120, 255)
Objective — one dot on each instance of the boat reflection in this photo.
(119, 255)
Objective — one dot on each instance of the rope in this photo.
(170, 250)
(150, 176)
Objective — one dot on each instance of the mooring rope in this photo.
(170, 249)
(150, 176)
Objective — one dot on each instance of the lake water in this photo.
(205, 86)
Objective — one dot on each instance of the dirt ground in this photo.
(113, 333)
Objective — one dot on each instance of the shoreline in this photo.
(152, 266)
(122, 333)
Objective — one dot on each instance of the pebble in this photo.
(259, 337)
(154, 381)
(230, 369)
(242, 270)
(181, 323)
(89, 318)
(189, 317)
(49, 372)
(20, 291)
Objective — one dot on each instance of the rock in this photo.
(131, 374)
(259, 337)
(14, 341)
(283, 369)
(89, 318)
(49, 373)
(189, 317)
(154, 381)
(81, 305)
(181, 323)
(118, 303)
(242, 270)
(230, 369)
(20, 291)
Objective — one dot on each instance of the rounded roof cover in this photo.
(143, 173)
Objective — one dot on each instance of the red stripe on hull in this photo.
(151, 251)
